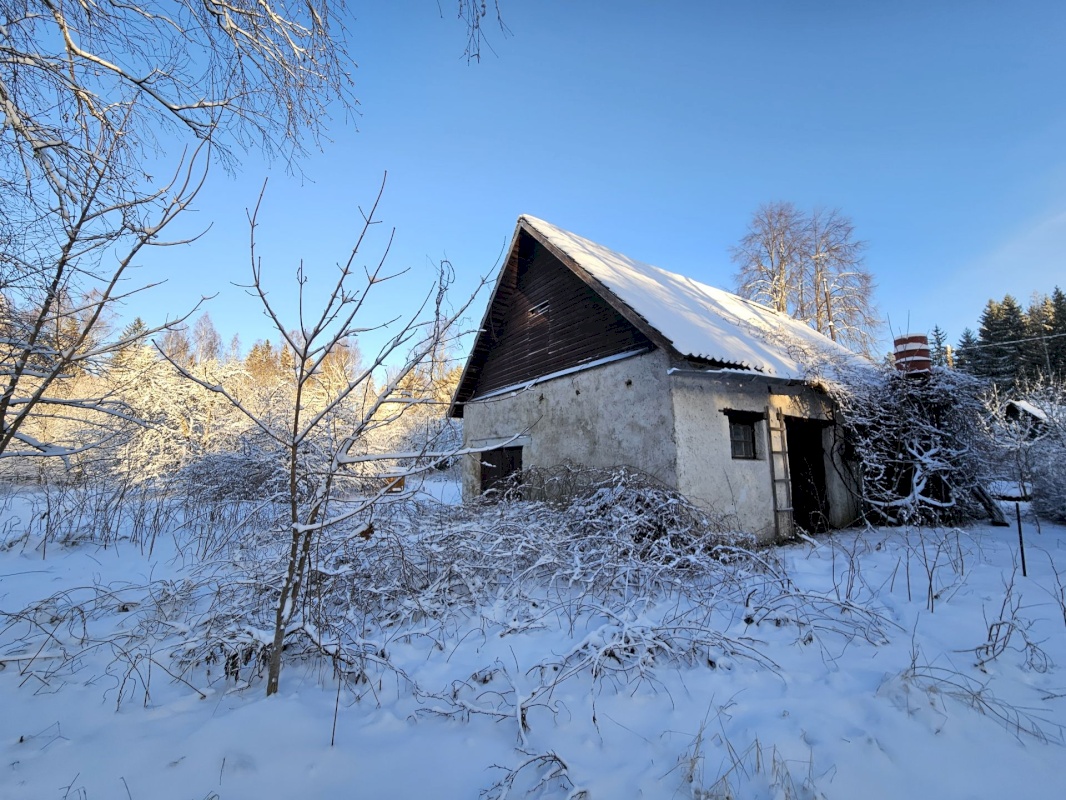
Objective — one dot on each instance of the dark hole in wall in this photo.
(499, 465)
(806, 468)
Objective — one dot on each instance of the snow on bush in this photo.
(1048, 457)
(916, 441)
(650, 579)
(1027, 433)
(241, 475)
(1049, 483)
(607, 640)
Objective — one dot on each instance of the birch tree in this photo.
(770, 258)
(93, 96)
(809, 266)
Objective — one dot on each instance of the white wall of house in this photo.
(742, 489)
(616, 413)
(635, 412)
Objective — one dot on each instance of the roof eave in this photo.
(455, 410)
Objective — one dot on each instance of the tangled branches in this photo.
(635, 580)
(639, 579)
(915, 440)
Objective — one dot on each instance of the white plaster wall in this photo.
(706, 471)
(614, 414)
(633, 412)
(741, 489)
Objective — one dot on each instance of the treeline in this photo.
(159, 420)
(1013, 345)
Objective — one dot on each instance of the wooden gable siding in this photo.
(544, 319)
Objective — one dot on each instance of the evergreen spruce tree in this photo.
(938, 347)
(966, 351)
(263, 363)
(998, 354)
(1057, 340)
(1035, 350)
(133, 334)
(983, 360)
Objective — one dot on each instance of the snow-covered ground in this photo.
(882, 664)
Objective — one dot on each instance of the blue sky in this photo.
(656, 129)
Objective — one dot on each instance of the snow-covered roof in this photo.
(700, 321)
(1029, 408)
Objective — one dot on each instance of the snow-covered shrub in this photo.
(623, 505)
(757, 771)
(916, 441)
(1049, 482)
(410, 572)
(247, 474)
(103, 509)
(1027, 443)
(1046, 403)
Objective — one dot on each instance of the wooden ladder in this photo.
(780, 481)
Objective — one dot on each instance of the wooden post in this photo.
(1021, 541)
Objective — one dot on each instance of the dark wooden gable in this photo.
(542, 319)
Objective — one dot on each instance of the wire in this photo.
(977, 345)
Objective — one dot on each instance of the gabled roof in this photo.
(687, 318)
(699, 321)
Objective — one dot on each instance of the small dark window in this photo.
(742, 433)
(742, 439)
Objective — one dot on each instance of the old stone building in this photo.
(588, 357)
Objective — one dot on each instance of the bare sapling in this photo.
(328, 420)
(1058, 594)
(1007, 626)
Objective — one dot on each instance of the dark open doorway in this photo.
(499, 465)
(806, 467)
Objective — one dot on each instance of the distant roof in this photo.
(698, 320)
(1029, 408)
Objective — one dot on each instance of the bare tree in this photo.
(59, 278)
(74, 74)
(318, 457)
(92, 97)
(809, 266)
(474, 13)
(770, 256)
(206, 340)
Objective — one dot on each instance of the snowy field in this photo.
(876, 664)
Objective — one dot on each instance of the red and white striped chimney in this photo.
(912, 354)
